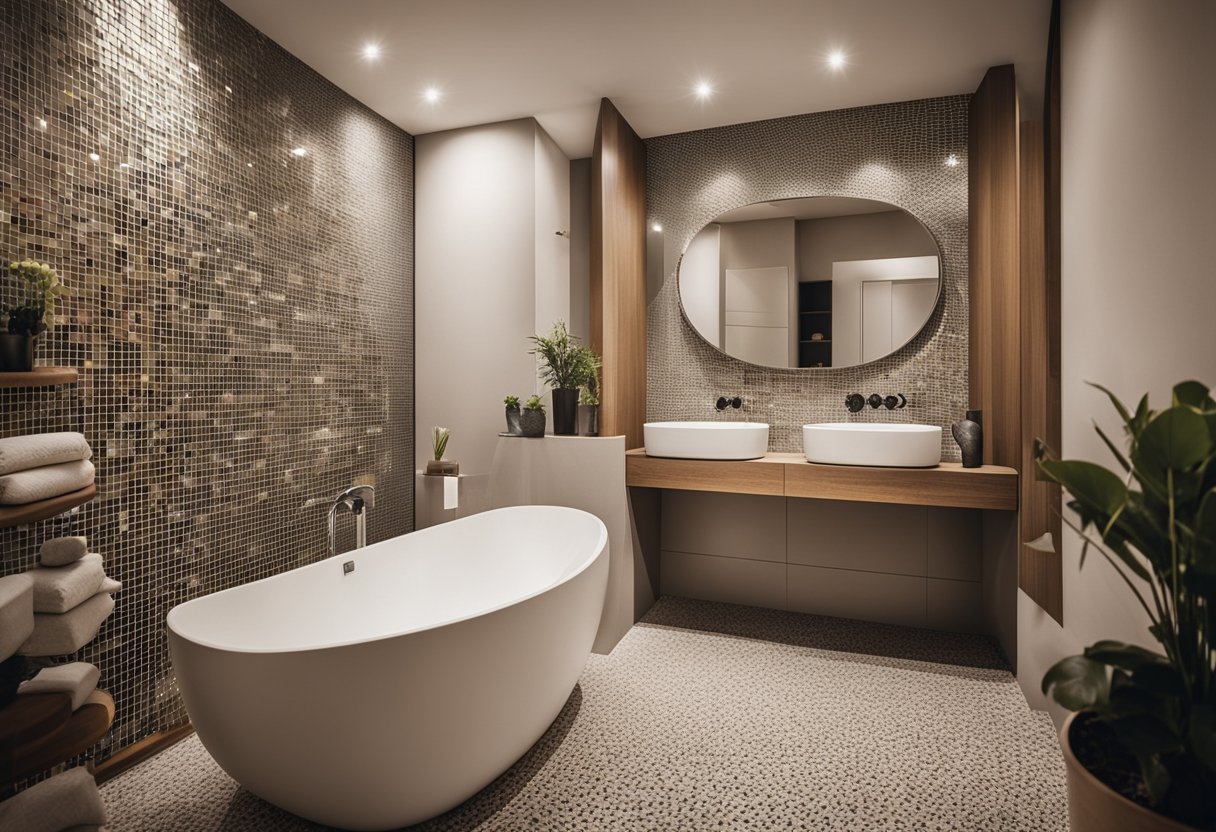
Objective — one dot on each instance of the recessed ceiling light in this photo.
(836, 60)
(371, 51)
(952, 160)
(703, 90)
(656, 227)
(432, 95)
(299, 151)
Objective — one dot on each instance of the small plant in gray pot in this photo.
(38, 288)
(532, 419)
(589, 398)
(1140, 748)
(512, 404)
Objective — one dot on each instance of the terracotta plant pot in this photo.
(532, 422)
(16, 352)
(1095, 807)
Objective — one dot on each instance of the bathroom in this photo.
(274, 553)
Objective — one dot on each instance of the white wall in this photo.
(700, 285)
(487, 202)
(1138, 292)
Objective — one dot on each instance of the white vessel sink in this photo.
(884, 445)
(706, 440)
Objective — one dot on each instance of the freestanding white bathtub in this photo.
(382, 697)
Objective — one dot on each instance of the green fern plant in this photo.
(565, 363)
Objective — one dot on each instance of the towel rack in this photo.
(42, 509)
(39, 377)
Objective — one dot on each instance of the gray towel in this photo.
(16, 612)
(65, 801)
(20, 453)
(61, 588)
(43, 483)
(59, 635)
(77, 678)
(60, 551)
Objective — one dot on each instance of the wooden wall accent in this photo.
(618, 273)
(1015, 304)
(995, 280)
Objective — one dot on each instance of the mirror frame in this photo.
(937, 300)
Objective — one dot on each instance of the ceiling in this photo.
(554, 59)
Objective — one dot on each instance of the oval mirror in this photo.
(815, 282)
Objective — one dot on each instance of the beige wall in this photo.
(488, 200)
(1138, 289)
(759, 244)
(580, 249)
(825, 241)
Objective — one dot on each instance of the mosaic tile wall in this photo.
(241, 316)
(892, 152)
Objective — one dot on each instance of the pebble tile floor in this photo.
(721, 717)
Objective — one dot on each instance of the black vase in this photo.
(16, 353)
(565, 411)
(969, 434)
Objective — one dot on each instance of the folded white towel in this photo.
(64, 801)
(43, 483)
(110, 585)
(60, 551)
(16, 612)
(59, 635)
(77, 678)
(20, 453)
(60, 588)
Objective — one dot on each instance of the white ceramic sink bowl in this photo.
(883, 445)
(706, 440)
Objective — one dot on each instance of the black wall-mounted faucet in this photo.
(855, 402)
(722, 403)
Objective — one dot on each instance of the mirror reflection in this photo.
(814, 282)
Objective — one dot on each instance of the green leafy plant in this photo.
(512, 402)
(1155, 522)
(590, 394)
(534, 403)
(35, 311)
(565, 363)
(439, 441)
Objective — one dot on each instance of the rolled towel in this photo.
(43, 483)
(110, 585)
(63, 802)
(58, 635)
(77, 678)
(21, 453)
(16, 613)
(60, 588)
(60, 551)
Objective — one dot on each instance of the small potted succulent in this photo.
(565, 367)
(34, 312)
(512, 403)
(532, 419)
(1140, 747)
(439, 466)
(589, 398)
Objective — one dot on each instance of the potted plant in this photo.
(439, 466)
(565, 367)
(1140, 746)
(512, 403)
(589, 398)
(532, 419)
(39, 286)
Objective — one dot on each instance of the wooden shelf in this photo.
(71, 734)
(790, 475)
(41, 510)
(39, 377)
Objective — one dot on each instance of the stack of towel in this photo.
(71, 596)
(43, 466)
(66, 801)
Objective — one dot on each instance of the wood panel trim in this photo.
(949, 485)
(618, 273)
(136, 753)
(42, 509)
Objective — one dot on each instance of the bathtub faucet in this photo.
(356, 499)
